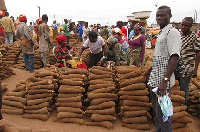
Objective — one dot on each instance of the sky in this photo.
(101, 11)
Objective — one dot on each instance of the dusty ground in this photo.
(64, 127)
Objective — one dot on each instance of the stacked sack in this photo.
(69, 100)
(194, 107)
(12, 53)
(101, 97)
(5, 70)
(133, 98)
(41, 94)
(180, 117)
(15, 101)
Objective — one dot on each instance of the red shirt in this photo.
(124, 31)
(198, 34)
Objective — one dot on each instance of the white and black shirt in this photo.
(167, 44)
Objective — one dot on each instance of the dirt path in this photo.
(64, 127)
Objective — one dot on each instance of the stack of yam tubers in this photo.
(15, 101)
(133, 98)
(194, 97)
(5, 70)
(70, 94)
(85, 55)
(102, 97)
(41, 92)
(37, 61)
(180, 117)
(13, 53)
(52, 59)
(20, 62)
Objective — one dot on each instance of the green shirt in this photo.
(65, 27)
(116, 52)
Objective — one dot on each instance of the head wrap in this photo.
(2, 13)
(112, 40)
(22, 18)
(60, 39)
(40, 19)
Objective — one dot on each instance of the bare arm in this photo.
(197, 61)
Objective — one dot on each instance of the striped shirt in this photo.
(191, 45)
(167, 44)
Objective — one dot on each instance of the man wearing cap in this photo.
(24, 34)
(9, 28)
(2, 37)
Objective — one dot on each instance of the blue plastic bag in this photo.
(165, 104)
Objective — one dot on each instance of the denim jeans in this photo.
(184, 86)
(9, 38)
(29, 61)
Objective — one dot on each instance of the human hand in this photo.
(194, 73)
(162, 88)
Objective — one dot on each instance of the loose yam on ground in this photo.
(43, 117)
(105, 124)
(137, 126)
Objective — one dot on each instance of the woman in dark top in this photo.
(136, 47)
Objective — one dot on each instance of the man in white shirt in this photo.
(165, 59)
(97, 48)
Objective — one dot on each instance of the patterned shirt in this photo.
(168, 43)
(23, 33)
(61, 53)
(43, 36)
(191, 45)
(96, 47)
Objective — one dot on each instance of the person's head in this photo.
(186, 24)
(111, 41)
(118, 36)
(86, 24)
(66, 21)
(12, 17)
(6, 13)
(54, 22)
(2, 14)
(137, 30)
(61, 40)
(163, 16)
(22, 18)
(44, 18)
(31, 23)
(92, 36)
(120, 24)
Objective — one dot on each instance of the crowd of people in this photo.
(119, 45)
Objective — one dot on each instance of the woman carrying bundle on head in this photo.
(136, 47)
